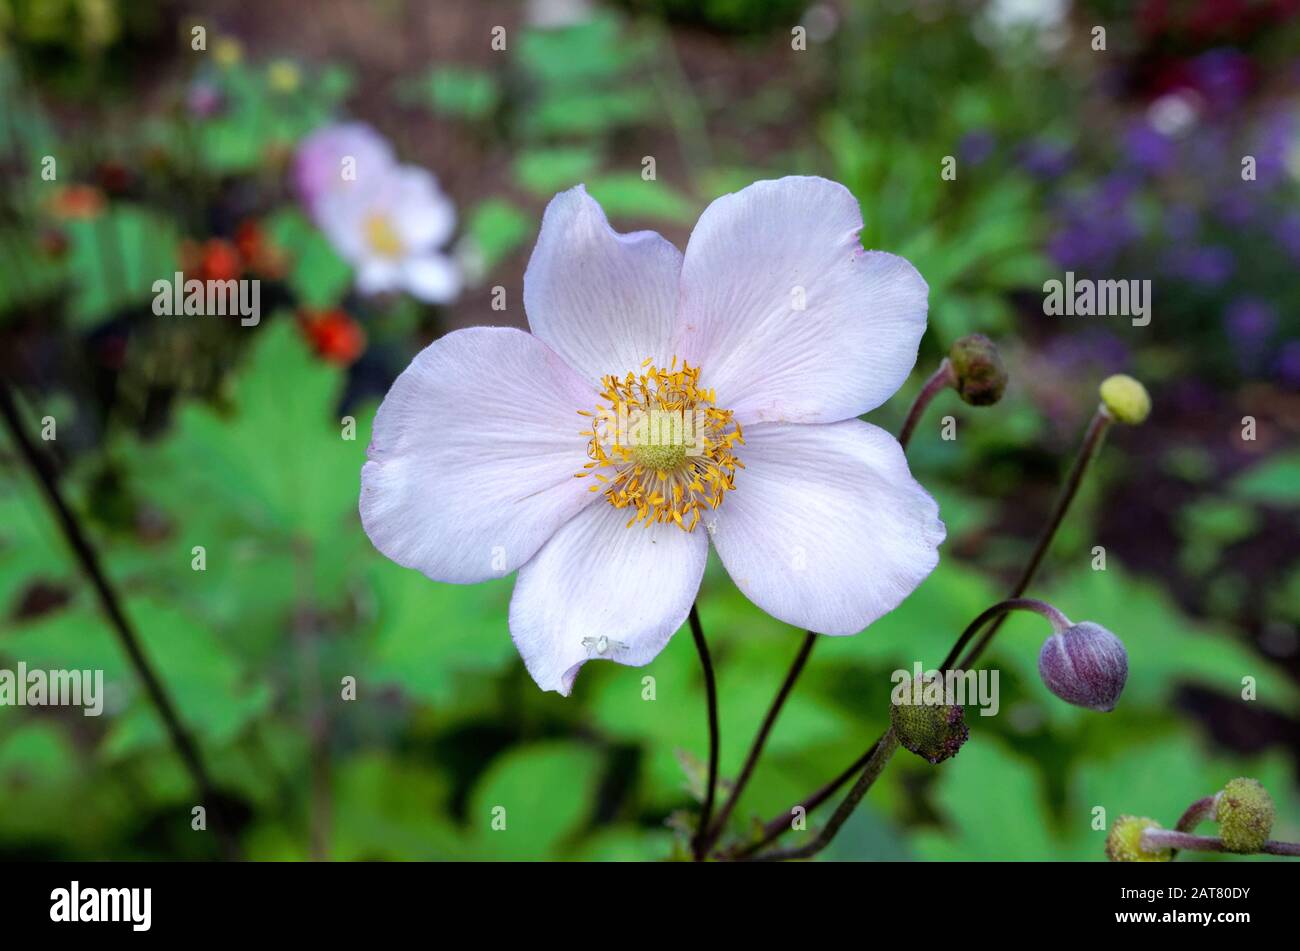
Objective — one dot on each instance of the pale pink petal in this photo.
(432, 277)
(379, 275)
(604, 301)
(422, 213)
(826, 528)
(473, 455)
(785, 314)
(597, 578)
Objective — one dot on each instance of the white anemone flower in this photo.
(772, 333)
(392, 230)
(388, 221)
(337, 159)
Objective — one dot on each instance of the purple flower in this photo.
(1288, 365)
(1287, 233)
(1147, 148)
(1206, 265)
(1250, 324)
(976, 147)
(1043, 159)
(1223, 76)
(204, 99)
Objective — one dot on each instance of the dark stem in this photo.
(711, 688)
(1196, 813)
(939, 381)
(875, 765)
(1000, 610)
(1091, 443)
(756, 750)
(1154, 839)
(1092, 439)
(89, 561)
(774, 827)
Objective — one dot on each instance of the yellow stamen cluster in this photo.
(667, 450)
(383, 237)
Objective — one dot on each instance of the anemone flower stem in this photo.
(1196, 813)
(711, 689)
(756, 750)
(1059, 623)
(940, 380)
(1092, 440)
(89, 561)
(1156, 839)
(879, 757)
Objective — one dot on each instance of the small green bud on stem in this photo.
(980, 377)
(1125, 399)
(1124, 844)
(1244, 811)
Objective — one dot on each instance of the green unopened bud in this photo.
(978, 374)
(1124, 843)
(1125, 399)
(1244, 811)
(925, 723)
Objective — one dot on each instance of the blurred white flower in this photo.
(339, 158)
(389, 221)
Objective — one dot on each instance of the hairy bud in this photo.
(1085, 665)
(1244, 811)
(979, 376)
(1124, 843)
(927, 725)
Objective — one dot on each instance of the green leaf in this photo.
(430, 636)
(543, 793)
(628, 195)
(212, 694)
(318, 276)
(992, 808)
(496, 228)
(1275, 481)
(115, 258)
(454, 91)
(547, 171)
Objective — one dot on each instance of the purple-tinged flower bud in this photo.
(978, 374)
(1086, 665)
(1244, 811)
(1124, 843)
(925, 723)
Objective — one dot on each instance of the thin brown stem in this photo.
(756, 750)
(88, 559)
(711, 689)
(940, 380)
(1155, 839)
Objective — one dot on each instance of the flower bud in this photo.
(1244, 811)
(1125, 399)
(1085, 665)
(979, 376)
(1124, 843)
(928, 726)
